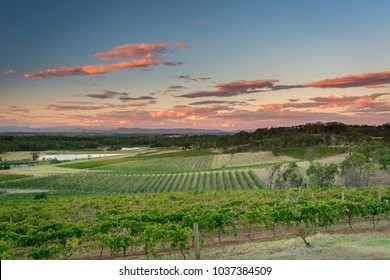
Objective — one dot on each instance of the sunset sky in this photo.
(194, 64)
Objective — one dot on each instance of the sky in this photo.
(216, 64)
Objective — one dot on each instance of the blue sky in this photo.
(214, 64)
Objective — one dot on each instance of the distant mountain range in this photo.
(108, 131)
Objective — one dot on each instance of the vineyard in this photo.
(151, 162)
(162, 165)
(109, 183)
(63, 227)
(8, 177)
(143, 205)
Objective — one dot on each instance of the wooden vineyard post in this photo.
(124, 238)
(196, 242)
(342, 196)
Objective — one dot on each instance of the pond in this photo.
(75, 156)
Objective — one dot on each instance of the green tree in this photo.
(35, 156)
(356, 170)
(368, 148)
(382, 157)
(322, 174)
(284, 176)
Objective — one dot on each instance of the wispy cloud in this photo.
(189, 78)
(180, 46)
(213, 102)
(338, 100)
(56, 107)
(123, 96)
(106, 94)
(174, 88)
(129, 98)
(90, 70)
(370, 80)
(377, 79)
(9, 72)
(145, 55)
(347, 103)
(234, 88)
(17, 109)
(133, 51)
(137, 51)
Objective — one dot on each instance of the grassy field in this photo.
(16, 156)
(315, 152)
(338, 246)
(247, 159)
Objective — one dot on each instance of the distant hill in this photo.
(110, 131)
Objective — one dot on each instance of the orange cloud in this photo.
(234, 88)
(90, 70)
(133, 51)
(338, 100)
(146, 55)
(360, 80)
(180, 46)
(187, 112)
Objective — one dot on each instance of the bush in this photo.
(356, 170)
(284, 176)
(322, 175)
(40, 196)
(4, 166)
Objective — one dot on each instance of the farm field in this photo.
(106, 183)
(162, 165)
(143, 205)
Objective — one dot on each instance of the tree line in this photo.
(308, 135)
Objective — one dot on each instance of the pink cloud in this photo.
(133, 51)
(180, 46)
(90, 70)
(145, 55)
(360, 80)
(338, 100)
(234, 88)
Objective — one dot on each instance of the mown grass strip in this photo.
(316, 152)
